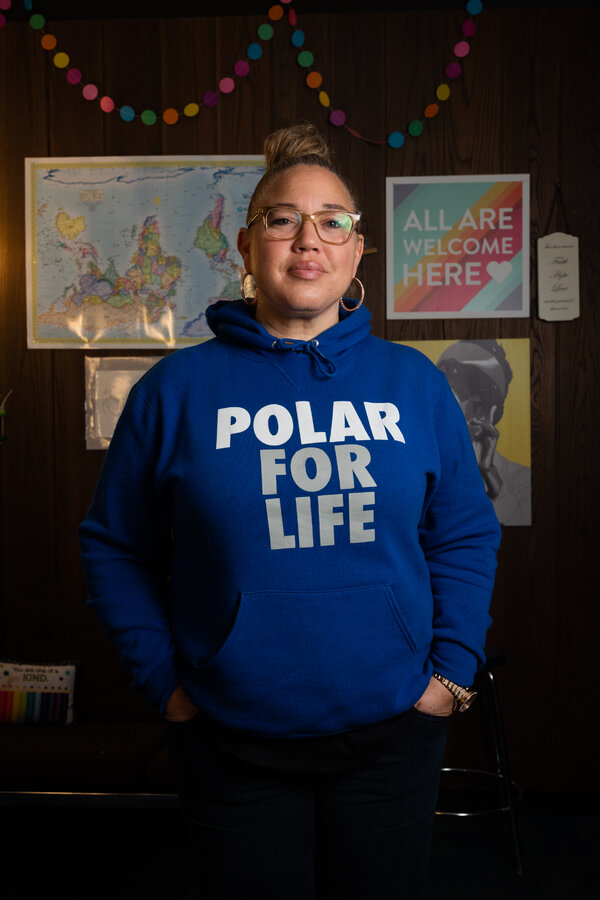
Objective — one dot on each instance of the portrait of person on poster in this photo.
(480, 375)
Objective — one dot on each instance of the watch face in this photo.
(468, 701)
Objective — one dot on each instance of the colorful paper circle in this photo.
(226, 85)
(292, 18)
(48, 42)
(241, 68)
(324, 98)
(396, 139)
(89, 91)
(210, 98)
(337, 117)
(74, 76)
(5, 4)
(453, 70)
(415, 128)
(305, 59)
(2, 21)
(298, 38)
(170, 116)
(442, 92)
(107, 104)
(314, 79)
(474, 7)
(61, 60)
(191, 109)
(431, 110)
(127, 113)
(254, 51)
(468, 28)
(276, 13)
(462, 49)
(149, 117)
(265, 31)
(37, 21)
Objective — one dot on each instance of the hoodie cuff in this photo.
(161, 683)
(455, 662)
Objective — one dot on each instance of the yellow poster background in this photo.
(515, 425)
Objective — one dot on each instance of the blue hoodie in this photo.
(296, 532)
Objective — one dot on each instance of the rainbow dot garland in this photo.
(170, 116)
(241, 69)
(415, 128)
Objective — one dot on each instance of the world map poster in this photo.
(129, 252)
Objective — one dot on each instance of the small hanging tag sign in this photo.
(558, 277)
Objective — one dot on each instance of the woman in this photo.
(291, 545)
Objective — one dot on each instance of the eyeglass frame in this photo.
(263, 210)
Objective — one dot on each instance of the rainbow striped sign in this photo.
(458, 247)
(36, 694)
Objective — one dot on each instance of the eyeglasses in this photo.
(283, 223)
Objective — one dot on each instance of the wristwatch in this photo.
(463, 697)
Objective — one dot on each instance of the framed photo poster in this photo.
(457, 247)
(491, 381)
(108, 381)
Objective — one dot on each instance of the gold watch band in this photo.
(463, 697)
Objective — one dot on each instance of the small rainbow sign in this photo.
(36, 694)
(457, 247)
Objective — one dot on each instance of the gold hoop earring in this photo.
(362, 297)
(248, 296)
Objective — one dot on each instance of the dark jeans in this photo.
(263, 834)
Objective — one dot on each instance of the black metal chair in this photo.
(508, 792)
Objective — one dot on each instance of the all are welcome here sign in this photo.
(457, 247)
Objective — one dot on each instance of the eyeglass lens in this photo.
(334, 226)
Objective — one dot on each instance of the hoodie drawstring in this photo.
(326, 365)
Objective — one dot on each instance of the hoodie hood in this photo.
(235, 321)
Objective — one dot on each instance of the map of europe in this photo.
(130, 252)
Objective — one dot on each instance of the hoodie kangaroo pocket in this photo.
(307, 662)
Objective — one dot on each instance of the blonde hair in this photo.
(298, 145)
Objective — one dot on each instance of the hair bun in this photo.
(299, 140)
(300, 144)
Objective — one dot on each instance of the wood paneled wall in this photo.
(527, 102)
